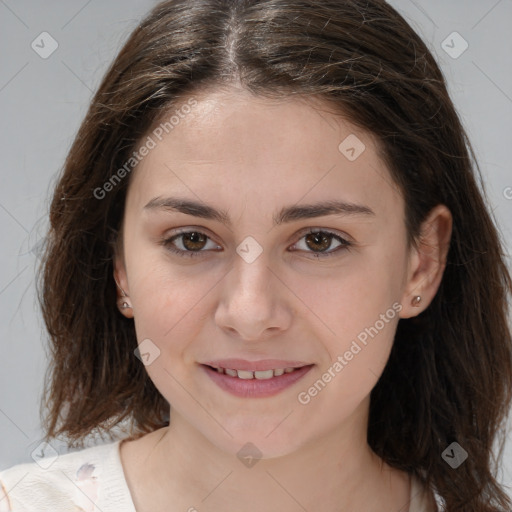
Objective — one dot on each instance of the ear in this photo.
(427, 261)
(121, 280)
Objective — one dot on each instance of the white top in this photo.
(92, 480)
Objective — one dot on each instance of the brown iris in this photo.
(194, 241)
(323, 239)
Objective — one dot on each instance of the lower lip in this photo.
(256, 388)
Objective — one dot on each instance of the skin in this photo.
(250, 157)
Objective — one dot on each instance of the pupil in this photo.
(194, 237)
(317, 239)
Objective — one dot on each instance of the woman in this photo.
(269, 259)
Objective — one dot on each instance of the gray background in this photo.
(43, 101)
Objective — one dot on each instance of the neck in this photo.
(336, 472)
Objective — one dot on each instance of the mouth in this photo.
(248, 374)
(235, 377)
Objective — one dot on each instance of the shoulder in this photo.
(71, 482)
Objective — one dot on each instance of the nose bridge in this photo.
(251, 276)
(252, 260)
(250, 304)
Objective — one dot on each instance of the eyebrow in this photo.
(286, 215)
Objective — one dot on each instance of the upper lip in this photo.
(255, 366)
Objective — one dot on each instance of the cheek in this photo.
(171, 305)
(166, 307)
(356, 364)
(355, 295)
(162, 291)
(166, 313)
(360, 307)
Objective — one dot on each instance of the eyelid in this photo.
(302, 232)
(346, 242)
(175, 234)
(333, 232)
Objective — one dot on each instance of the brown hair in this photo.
(449, 375)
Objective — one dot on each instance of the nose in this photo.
(254, 304)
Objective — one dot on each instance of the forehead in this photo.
(230, 123)
(235, 143)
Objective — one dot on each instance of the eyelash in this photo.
(345, 244)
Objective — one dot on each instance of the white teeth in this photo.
(244, 374)
(261, 374)
(267, 374)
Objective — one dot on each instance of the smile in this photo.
(262, 375)
(255, 383)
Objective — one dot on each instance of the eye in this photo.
(318, 241)
(192, 242)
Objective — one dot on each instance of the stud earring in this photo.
(416, 301)
(123, 302)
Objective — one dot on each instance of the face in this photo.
(268, 281)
